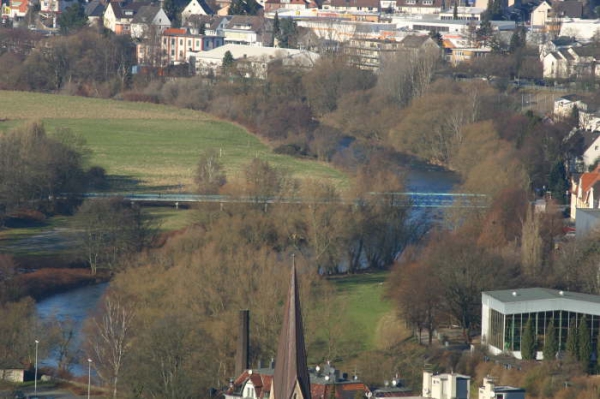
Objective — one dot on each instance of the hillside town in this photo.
(565, 33)
(296, 199)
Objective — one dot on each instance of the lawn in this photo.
(148, 147)
(365, 306)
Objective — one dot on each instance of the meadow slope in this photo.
(149, 147)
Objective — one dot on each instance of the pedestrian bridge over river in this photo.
(414, 199)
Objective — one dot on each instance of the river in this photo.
(78, 304)
(75, 305)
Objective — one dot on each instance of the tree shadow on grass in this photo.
(130, 184)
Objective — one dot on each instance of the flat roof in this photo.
(502, 389)
(530, 300)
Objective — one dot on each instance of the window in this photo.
(197, 43)
(189, 42)
(181, 42)
(411, 2)
(427, 2)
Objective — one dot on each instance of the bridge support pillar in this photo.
(177, 205)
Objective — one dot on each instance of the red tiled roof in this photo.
(174, 31)
(588, 180)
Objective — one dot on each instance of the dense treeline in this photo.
(37, 169)
(86, 63)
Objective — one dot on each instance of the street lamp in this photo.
(36, 367)
(89, 376)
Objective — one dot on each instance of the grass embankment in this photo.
(365, 306)
(148, 147)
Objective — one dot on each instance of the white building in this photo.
(446, 386)
(541, 16)
(491, 390)
(55, 6)
(149, 21)
(253, 61)
(581, 29)
(195, 7)
(505, 313)
(428, 23)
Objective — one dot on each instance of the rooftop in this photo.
(540, 294)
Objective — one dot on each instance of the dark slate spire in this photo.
(291, 380)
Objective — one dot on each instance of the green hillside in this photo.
(149, 147)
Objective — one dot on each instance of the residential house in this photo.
(573, 62)
(563, 106)
(541, 16)
(324, 383)
(567, 9)
(591, 139)
(15, 10)
(94, 10)
(463, 14)
(445, 386)
(149, 20)
(48, 7)
(195, 7)
(583, 190)
(178, 45)
(352, 6)
(367, 53)
(248, 30)
(252, 61)
(506, 4)
(491, 390)
(118, 16)
(559, 43)
(274, 5)
(211, 25)
(420, 6)
(460, 49)
(548, 17)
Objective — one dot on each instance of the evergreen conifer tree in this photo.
(584, 346)
(550, 342)
(528, 341)
(572, 341)
(276, 29)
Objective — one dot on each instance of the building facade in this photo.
(505, 314)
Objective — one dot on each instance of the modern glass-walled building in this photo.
(505, 314)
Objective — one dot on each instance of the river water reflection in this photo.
(75, 305)
(78, 304)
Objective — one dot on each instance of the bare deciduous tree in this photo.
(109, 337)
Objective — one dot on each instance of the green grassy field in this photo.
(363, 295)
(148, 147)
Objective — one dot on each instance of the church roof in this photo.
(291, 369)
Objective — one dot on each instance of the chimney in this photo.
(243, 343)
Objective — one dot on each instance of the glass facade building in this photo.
(505, 314)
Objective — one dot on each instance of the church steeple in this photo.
(291, 379)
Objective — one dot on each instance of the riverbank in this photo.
(48, 281)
